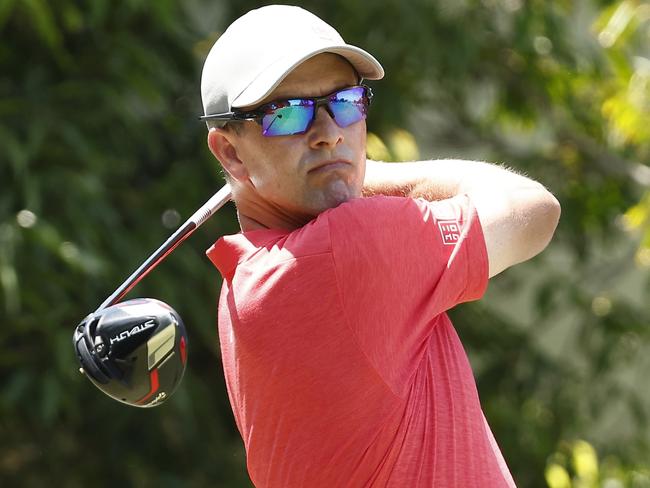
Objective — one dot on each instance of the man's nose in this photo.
(325, 131)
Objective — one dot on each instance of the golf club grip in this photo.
(215, 202)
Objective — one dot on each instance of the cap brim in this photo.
(260, 88)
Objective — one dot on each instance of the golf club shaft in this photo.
(183, 232)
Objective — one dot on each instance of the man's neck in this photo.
(247, 223)
(256, 215)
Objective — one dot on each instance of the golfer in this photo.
(342, 367)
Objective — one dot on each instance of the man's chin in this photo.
(337, 193)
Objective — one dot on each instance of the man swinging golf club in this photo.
(342, 367)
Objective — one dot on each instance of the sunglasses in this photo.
(296, 115)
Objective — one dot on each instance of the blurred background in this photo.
(102, 157)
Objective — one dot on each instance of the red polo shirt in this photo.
(342, 367)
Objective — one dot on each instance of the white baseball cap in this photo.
(259, 49)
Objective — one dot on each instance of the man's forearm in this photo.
(440, 179)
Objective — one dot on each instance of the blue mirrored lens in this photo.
(349, 106)
(287, 118)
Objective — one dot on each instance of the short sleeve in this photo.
(400, 264)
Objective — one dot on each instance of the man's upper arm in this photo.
(517, 224)
(518, 215)
(412, 247)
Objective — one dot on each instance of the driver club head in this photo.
(134, 351)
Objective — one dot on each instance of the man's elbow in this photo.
(542, 222)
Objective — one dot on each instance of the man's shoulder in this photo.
(270, 247)
(361, 211)
(365, 217)
(315, 237)
(354, 221)
(369, 204)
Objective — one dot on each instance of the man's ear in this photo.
(220, 142)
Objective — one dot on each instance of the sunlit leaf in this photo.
(376, 149)
(642, 257)
(585, 461)
(557, 477)
(403, 145)
(617, 23)
(636, 216)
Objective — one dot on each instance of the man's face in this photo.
(302, 175)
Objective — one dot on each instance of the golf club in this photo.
(135, 351)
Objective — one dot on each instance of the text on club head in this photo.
(133, 331)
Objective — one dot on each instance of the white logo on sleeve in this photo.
(449, 231)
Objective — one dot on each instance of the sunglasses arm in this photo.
(232, 116)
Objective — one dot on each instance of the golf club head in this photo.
(134, 351)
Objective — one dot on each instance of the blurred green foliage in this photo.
(102, 154)
(576, 465)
